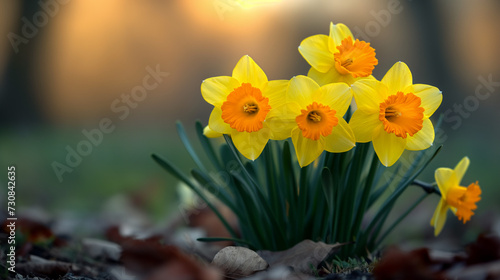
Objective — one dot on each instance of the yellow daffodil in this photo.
(460, 200)
(313, 118)
(242, 104)
(394, 113)
(338, 57)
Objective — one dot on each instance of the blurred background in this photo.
(67, 65)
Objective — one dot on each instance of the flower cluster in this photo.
(337, 105)
(311, 110)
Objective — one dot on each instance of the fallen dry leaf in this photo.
(32, 233)
(280, 273)
(156, 261)
(238, 262)
(51, 268)
(101, 249)
(485, 249)
(35, 232)
(397, 264)
(302, 256)
(487, 271)
(179, 271)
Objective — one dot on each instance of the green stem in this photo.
(365, 196)
(427, 187)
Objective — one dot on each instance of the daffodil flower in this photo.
(394, 113)
(314, 118)
(338, 57)
(242, 104)
(460, 200)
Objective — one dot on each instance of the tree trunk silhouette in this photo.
(18, 104)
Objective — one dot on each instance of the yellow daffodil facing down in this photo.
(460, 200)
(338, 57)
(394, 113)
(314, 118)
(242, 103)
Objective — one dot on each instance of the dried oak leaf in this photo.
(237, 262)
(157, 261)
(417, 264)
(302, 257)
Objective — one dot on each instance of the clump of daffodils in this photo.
(323, 190)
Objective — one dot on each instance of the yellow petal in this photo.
(300, 90)
(431, 98)
(247, 71)
(363, 124)
(307, 150)
(217, 124)
(341, 139)
(215, 90)
(251, 144)
(388, 146)
(281, 128)
(461, 168)
(210, 133)
(445, 179)
(398, 78)
(369, 94)
(276, 92)
(436, 212)
(422, 139)
(338, 96)
(315, 51)
(338, 32)
(333, 76)
(439, 218)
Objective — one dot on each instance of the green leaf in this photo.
(237, 157)
(189, 148)
(214, 188)
(328, 187)
(207, 147)
(361, 209)
(381, 190)
(179, 175)
(386, 207)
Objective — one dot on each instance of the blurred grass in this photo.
(120, 164)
